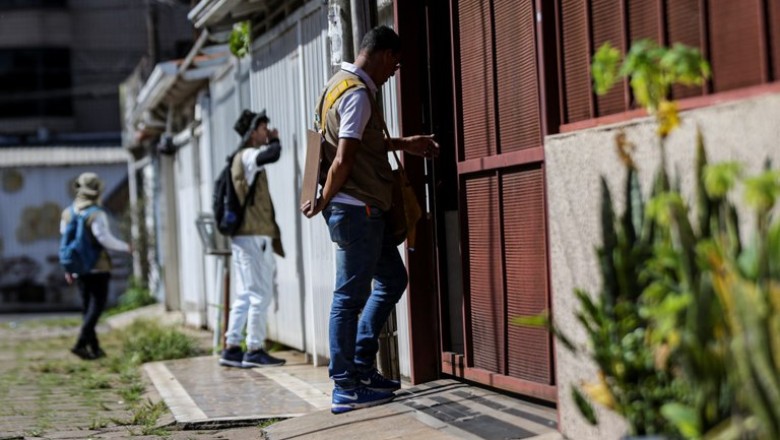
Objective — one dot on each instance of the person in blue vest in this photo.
(253, 245)
(92, 285)
(356, 194)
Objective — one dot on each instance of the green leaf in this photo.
(540, 320)
(685, 65)
(762, 191)
(605, 68)
(586, 409)
(240, 40)
(684, 418)
(720, 178)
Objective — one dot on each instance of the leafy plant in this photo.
(147, 341)
(136, 296)
(240, 40)
(652, 70)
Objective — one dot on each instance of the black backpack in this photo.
(228, 210)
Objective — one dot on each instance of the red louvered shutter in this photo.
(607, 18)
(485, 278)
(502, 135)
(735, 44)
(774, 37)
(518, 98)
(526, 272)
(576, 91)
(643, 20)
(683, 21)
(476, 52)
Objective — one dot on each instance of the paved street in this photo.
(46, 392)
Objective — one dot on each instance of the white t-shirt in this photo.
(249, 160)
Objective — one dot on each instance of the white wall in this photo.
(276, 87)
(44, 194)
(192, 282)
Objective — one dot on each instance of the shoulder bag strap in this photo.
(381, 117)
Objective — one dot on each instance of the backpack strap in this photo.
(250, 195)
(329, 98)
(86, 212)
(381, 117)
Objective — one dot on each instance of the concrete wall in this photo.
(30, 275)
(746, 131)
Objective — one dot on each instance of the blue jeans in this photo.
(364, 253)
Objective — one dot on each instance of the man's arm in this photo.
(270, 154)
(337, 174)
(420, 145)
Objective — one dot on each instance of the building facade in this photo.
(511, 205)
(61, 62)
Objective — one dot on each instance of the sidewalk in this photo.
(201, 394)
(45, 392)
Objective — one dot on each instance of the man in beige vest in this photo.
(253, 245)
(355, 197)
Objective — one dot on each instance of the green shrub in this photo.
(136, 296)
(147, 341)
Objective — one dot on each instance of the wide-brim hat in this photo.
(248, 122)
(88, 184)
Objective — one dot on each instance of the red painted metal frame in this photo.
(455, 365)
(521, 157)
(422, 299)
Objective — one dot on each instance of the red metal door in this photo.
(502, 203)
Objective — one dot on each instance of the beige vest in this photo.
(259, 217)
(103, 263)
(371, 178)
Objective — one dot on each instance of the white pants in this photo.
(253, 261)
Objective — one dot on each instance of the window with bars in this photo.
(35, 82)
(741, 39)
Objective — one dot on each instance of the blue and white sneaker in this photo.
(356, 398)
(259, 358)
(375, 381)
(231, 357)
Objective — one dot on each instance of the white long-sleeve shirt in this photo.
(102, 233)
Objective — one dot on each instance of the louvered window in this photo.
(741, 39)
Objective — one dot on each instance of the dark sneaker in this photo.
(231, 357)
(375, 381)
(259, 358)
(83, 353)
(360, 397)
(99, 353)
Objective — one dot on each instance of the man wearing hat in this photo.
(253, 245)
(93, 285)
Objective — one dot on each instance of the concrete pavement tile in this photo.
(78, 434)
(199, 390)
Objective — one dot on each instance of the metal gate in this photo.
(500, 168)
